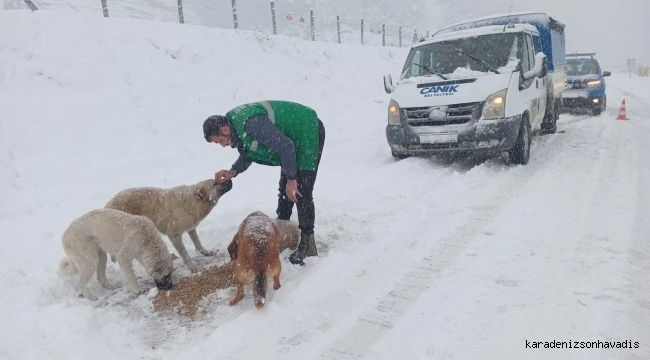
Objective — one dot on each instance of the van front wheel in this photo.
(520, 153)
(549, 125)
(399, 156)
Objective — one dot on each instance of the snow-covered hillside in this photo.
(418, 259)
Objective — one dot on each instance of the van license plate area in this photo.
(438, 138)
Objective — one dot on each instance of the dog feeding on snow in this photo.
(189, 292)
(255, 248)
(89, 238)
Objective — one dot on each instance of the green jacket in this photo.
(298, 122)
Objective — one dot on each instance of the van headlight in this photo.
(393, 113)
(495, 106)
(593, 83)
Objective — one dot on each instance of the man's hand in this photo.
(292, 190)
(224, 175)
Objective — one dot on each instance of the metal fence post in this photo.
(180, 12)
(427, 34)
(415, 36)
(275, 26)
(105, 8)
(338, 29)
(31, 5)
(383, 34)
(311, 26)
(400, 36)
(234, 14)
(362, 32)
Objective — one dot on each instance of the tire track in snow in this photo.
(635, 316)
(504, 286)
(314, 324)
(606, 230)
(624, 92)
(615, 234)
(382, 316)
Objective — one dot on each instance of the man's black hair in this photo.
(212, 126)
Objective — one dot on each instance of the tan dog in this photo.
(127, 237)
(174, 211)
(256, 249)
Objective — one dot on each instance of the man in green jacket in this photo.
(276, 133)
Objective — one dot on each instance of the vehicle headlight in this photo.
(393, 113)
(495, 106)
(593, 83)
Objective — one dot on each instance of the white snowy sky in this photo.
(614, 29)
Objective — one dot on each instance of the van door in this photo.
(544, 82)
(533, 90)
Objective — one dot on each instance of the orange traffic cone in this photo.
(621, 114)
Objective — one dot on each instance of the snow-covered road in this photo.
(475, 262)
(419, 259)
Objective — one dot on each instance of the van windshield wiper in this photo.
(488, 67)
(431, 71)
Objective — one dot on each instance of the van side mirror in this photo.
(388, 84)
(544, 68)
(539, 69)
(607, 73)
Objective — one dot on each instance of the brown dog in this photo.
(256, 248)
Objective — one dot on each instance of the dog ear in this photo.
(233, 248)
(201, 192)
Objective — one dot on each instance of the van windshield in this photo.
(498, 51)
(577, 67)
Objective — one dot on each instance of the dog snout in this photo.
(165, 283)
(226, 186)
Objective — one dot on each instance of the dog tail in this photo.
(67, 267)
(259, 290)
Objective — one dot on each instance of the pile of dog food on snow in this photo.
(186, 293)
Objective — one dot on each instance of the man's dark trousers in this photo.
(306, 180)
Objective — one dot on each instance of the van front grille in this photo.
(445, 115)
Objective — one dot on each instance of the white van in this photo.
(479, 86)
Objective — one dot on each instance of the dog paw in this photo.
(234, 301)
(140, 289)
(110, 286)
(207, 252)
(194, 267)
(88, 296)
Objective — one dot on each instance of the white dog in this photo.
(125, 237)
(174, 211)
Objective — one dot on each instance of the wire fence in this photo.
(279, 17)
(643, 71)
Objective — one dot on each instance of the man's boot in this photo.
(306, 248)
